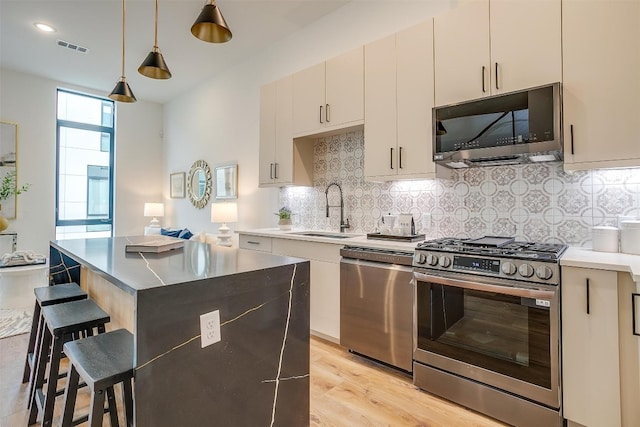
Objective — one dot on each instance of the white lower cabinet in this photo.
(600, 363)
(324, 276)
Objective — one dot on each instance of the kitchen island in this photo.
(256, 374)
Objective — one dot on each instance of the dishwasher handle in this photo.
(386, 266)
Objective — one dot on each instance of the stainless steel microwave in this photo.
(512, 128)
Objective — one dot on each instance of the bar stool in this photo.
(102, 361)
(62, 323)
(46, 296)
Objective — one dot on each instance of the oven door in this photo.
(499, 332)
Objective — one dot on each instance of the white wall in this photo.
(30, 102)
(219, 120)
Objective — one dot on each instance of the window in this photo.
(84, 179)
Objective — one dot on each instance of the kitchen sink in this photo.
(325, 234)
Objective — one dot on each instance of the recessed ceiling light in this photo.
(44, 27)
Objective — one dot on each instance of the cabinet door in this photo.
(415, 100)
(461, 42)
(308, 98)
(267, 133)
(601, 88)
(325, 298)
(380, 108)
(345, 88)
(629, 348)
(283, 149)
(525, 58)
(590, 356)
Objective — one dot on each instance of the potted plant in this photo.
(9, 188)
(285, 218)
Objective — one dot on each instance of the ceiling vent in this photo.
(72, 46)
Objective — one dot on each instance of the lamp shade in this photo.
(224, 212)
(210, 25)
(154, 66)
(122, 92)
(154, 209)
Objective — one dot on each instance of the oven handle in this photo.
(504, 290)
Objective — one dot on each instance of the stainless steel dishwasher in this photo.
(376, 304)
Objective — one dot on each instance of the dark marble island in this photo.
(256, 375)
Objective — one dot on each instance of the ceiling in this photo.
(97, 25)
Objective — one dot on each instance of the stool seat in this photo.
(57, 294)
(64, 318)
(102, 361)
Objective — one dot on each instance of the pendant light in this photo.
(153, 65)
(122, 92)
(210, 25)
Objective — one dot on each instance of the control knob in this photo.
(444, 261)
(544, 272)
(509, 268)
(432, 259)
(420, 258)
(525, 270)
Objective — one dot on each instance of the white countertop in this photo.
(355, 240)
(614, 261)
(573, 256)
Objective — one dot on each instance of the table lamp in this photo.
(223, 213)
(154, 210)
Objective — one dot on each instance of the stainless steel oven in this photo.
(486, 328)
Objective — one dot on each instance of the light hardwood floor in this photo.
(346, 390)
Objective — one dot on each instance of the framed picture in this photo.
(226, 182)
(177, 185)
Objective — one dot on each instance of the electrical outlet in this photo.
(210, 328)
(426, 221)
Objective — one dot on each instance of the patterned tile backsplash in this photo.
(536, 202)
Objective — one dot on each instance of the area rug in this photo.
(15, 321)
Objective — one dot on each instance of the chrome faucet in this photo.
(343, 224)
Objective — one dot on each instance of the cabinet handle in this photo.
(391, 158)
(588, 305)
(571, 131)
(270, 170)
(633, 314)
(497, 76)
(251, 242)
(400, 157)
(327, 113)
(275, 170)
(483, 88)
(321, 114)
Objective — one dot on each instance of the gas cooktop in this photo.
(506, 247)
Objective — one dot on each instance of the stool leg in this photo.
(41, 349)
(97, 408)
(127, 396)
(113, 408)
(52, 381)
(37, 375)
(70, 394)
(35, 322)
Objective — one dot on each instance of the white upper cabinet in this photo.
(487, 47)
(398, 103)
(601, 83)
(281, 161)
(330, 95)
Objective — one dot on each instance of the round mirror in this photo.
(199, 184)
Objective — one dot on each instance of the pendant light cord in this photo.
(155, 44)
(123, 25)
